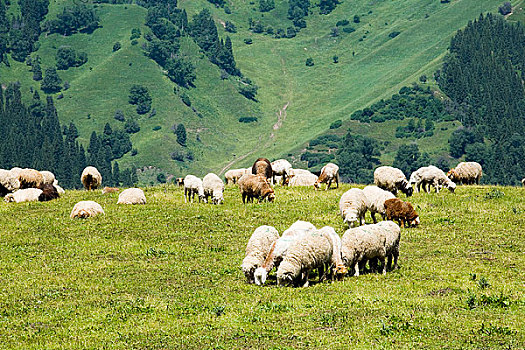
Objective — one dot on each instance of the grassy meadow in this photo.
(167, 275)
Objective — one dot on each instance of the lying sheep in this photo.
(393, 236)
(255, 186)
(338, 269)
(91, 178)
(279, 248)
(8, 182)
(132, 196)
(402, 212)
(375, 200)
(86, 209)
(192, 186)
(280, 167)
(361, 244)
(214, 187)
(30, 178)
(466, 173)
(431, 176)
(263, 167)
(329, 173)
(110, 190)
(24, 195)
(312, 251)
(392, 179)
(49, 192)
(352, 207)
(49, 177)
(257, 250)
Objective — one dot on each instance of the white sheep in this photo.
(132, 196)
(258, 249)
(431, 176)
(86, 209)
(393, 236)
(49, 177)
(329, 173)
(24, 195)
(8, 182)
(192, 186)
(392, 179)
(302, 179)
(91, 178)
(338, 269)
(30, 178)
(233, 175)
(361, 244)
(467, 173)
(280, 247)
(60, 190)
(214, 187)
(281, 167)
(375, 200)
(352, 207)
(311, 251)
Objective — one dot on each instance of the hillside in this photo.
(294, 104)
(167, 275)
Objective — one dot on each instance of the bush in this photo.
(156, 128)
(357, 19)
(119, 115)
(230, 27)
(117, 46)
(309, 62)
(131, 126)
(248, 41)
(394, 34)
(342, 23)
(505, 9)
(337, 124)
(247, 119)
(185, 99)
(348, 29)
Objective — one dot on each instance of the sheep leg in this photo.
(322, 272)
(382, 261)
(337, 181)
(356, 273)
(185, 194)
(395, 253)
(328, 186)
(373, 215)
(243, 198)
(389, 262)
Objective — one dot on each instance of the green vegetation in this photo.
(167, 275)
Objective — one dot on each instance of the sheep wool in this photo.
(338, 269)
(132, 196)
(375, 200)
(257, 250)
(255, 186)
(431, 176)
(30, 178)
(49, 177)
(214, 187)
(361, 244)
(329, 173)
(86, 209)
(192, 186)
(352, 207)
(233, 175)
(49, 192)
(302, 180)
(8, 182)
(392, 237)
(110, 190)
(402, 212)
(24, 195)
(91, 178)
(467, 173)
(392, 179)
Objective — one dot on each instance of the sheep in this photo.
(352, 207)
(179, 181)
(257, 250)
(300, 177)
(59, 189)
(312, 251)
(338, 269)
(375, 200)
(49, 192)
(86, 209)
(110, 190)
(24, 195)
(262, 166)
(392, 179)
(393, 236)
(329, 173)
(30, 178)
(279, 248)
(132, 196)
(192, 186)
(523, 181)
(8, 182)
(431, 175)
(402, 212)
(214, 187)
(255, 186)
(282, 168)
(49, 177)
(361, 244)
(466, 173)
(91, 178)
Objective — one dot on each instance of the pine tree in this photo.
(180, 131)
(52, 82)
(116, 174)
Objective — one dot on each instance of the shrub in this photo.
(394, 34)
(131, 126)
(185, 99)
(505, 9)
(247, 119)
(357, 19)
(348, 29)
(248, 41)
(119, 115)
(337, 124)
(342, 23)
(156, 128)
(117, 46)
(309, 62)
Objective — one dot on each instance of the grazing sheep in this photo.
(255, 186)
(192, 186)
(352, 207)
(86, 209)
(214, 187)
(282, 168)
(375, 200)
(132, 196)
(329, 173)
(312, 251)
(263, 167)
(338, 269)
(49, 177)
(232, 176)
(110, 190)
(8, 182)
(279, 248)
(402, 212)
(392, 179)
(24, 195)
(466, 173)
(91, 178)
(431, 176)
(257, 250)
(179, 181)
(49, 192)
(361, 244)
(393, 236)
(30, 178)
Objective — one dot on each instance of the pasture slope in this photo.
(372, 65)
(167, 275)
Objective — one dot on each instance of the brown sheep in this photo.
(30, 178)
(110, 190)
(262, 166)
(255, 186)
(49, 192)
(402, 212)
(329, 173)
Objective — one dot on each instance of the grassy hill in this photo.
(295, 102)
(167, 275)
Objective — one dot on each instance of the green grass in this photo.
(167, 275)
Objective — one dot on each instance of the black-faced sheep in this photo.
(30, 178)
(255, 186)
(352, 207)
(281, 167)
(466, 173)
(263, 167)
(329, 173)
(392, 179)
(91, 178)
(214, 187)
(179, 181)
(86, 209)
(192, 186)
(49, 192)
(402, 212)
(257, 250)
(132, 196)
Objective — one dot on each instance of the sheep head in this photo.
(351, 218)
(9, 198)
(285, 279)
(249, 271)
(260, 275)
(340, 271)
